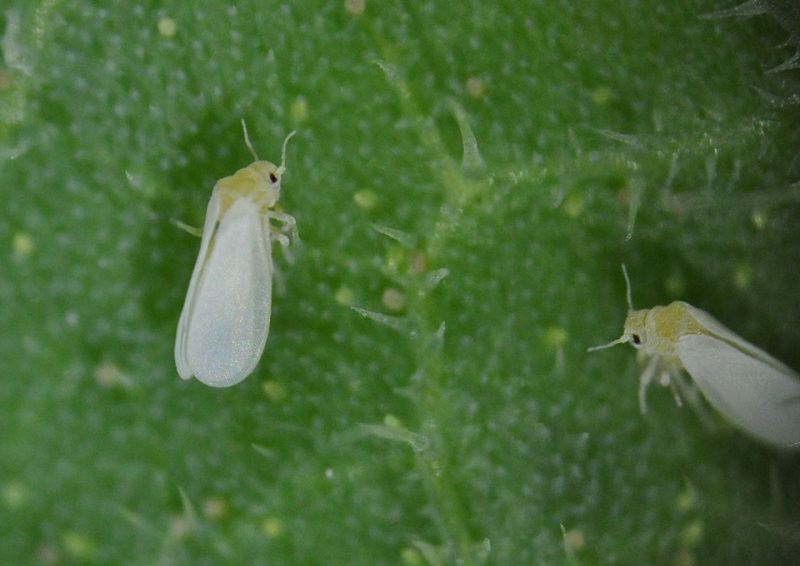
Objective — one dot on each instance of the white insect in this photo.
(756, 392)
(225, 319)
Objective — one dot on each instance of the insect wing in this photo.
(757, 396)
(209, 229)
(716, 327)
(226, 318)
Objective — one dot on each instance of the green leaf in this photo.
(515, 153)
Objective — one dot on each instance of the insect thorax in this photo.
(260, 181)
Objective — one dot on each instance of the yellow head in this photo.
(654, 330)
(260, 181)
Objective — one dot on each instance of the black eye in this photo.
(273, 178)
(636, 340)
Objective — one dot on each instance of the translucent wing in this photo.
(762, 398)
(225, 321)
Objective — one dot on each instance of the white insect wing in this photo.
(716, 327)
(181, 360)
(758, 397)
(228, 320)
